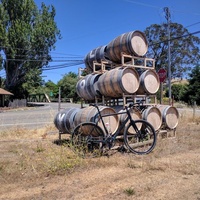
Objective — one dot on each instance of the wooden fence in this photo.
(17, 103)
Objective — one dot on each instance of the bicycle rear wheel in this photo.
(87, 139)
(141, 138)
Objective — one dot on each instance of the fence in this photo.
(17, 103)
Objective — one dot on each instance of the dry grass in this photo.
(34, 153)
(33, 165)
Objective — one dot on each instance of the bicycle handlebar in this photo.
(140, 103)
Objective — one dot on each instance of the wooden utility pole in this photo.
(168, 16)
(59, 99)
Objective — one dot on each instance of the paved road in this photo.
(40, 116)
(31, 117)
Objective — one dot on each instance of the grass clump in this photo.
(39, 148)
(129, 191)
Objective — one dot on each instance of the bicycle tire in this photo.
(87, 139)
(140, 140)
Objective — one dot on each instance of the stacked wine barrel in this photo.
(114, 83)
(131, 43)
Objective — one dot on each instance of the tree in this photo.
(27, 35)
(68, 86)
(51, 88)
(184, 48)
(32, 82)
(178, 91)
(193, 90)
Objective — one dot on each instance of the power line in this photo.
(143, 4)
(21, 56)
(176, 38)
(66, 54)
(193, 24)
(186, 12)
(61, 66)
(29, 60)
(74, 64)
(29, 50)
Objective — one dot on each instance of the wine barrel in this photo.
(92, 129)
(64, 120)
(131, 43)
(96, 55)
(170, 116)
(153, 115)
(117, 81)
(90, 114)
(149, 82)
(87, 87)
(135, 114)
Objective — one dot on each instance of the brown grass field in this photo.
(33, 166)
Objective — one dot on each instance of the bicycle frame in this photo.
(128, 118)
(139, 136)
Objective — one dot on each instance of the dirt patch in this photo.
(34, 166)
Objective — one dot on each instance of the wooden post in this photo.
(59, 99)
(194, 110)
(161, 93)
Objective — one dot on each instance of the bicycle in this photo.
(139, 136)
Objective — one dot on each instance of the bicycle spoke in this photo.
(87, 140)
(142, 140)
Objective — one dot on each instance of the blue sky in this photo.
(87, 24)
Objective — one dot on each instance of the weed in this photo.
(39, 148)
(129, 191)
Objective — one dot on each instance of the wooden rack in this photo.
(137, 63)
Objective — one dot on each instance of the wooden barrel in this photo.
(90, 128)
(96, 55)
(64, 120)
(149, 82)
(170, 116)
(135, 114)
(153, 115)
(89, 114)
(87, 87)
(117, 81)
(131, 43)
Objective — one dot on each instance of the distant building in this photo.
(3, 93)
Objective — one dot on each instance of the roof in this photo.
(2, 91)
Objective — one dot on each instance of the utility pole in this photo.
(59, 99)
(168, 16)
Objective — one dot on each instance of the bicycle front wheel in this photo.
(140, 138)
(87, 139)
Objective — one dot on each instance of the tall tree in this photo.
(185, 52)
(27, 35)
